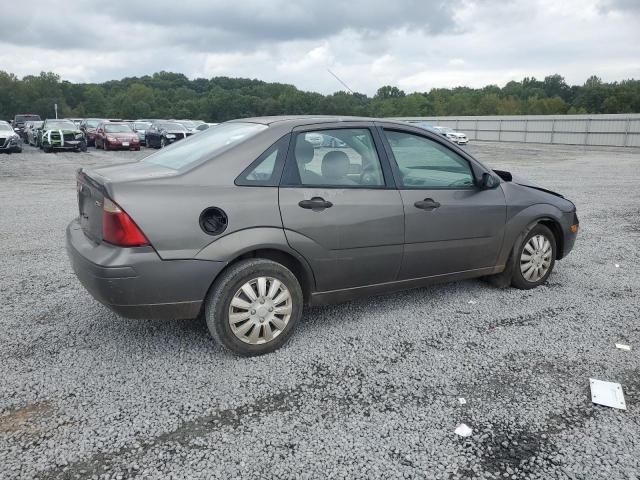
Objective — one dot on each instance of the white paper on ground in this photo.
(608, 394)
(462, 401)
(623, 346)
(463, 430)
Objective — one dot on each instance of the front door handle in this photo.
(427, 204)
(317, 204)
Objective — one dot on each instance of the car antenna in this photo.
(338, 78)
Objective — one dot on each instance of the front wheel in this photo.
(534, 259)
(253, 307)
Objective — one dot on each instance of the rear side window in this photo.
(424, 163)
(203, 146)
(266, 169)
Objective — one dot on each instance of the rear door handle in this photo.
(317, 204)
(427, 204)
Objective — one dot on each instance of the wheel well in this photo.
(303, 275)
(557, 234)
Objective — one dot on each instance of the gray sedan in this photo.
(247, 222)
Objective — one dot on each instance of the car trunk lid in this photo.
(96, 184)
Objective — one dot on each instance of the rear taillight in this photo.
(118, 228)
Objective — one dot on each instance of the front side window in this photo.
(340, 157)
(424, 163)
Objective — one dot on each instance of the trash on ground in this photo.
(471, 302)
(463, 430)
(623, 346)
(617, 265)
(462, 401)
(608, 394)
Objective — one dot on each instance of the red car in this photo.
(116, 136)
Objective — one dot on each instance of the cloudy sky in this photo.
(414, 44)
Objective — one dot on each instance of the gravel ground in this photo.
(364, 389)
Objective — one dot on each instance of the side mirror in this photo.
(489, 181)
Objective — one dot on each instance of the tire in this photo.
(533, 261)
(233, 282)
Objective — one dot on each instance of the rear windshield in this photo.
(202, 146)
(116, 128)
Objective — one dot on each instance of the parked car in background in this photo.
(247, 222)
(456, 137)
(163, 133)
(88, 127)
(77, 121)
(20, 119)
(205, 126)
(425, 125)
(190, 125)
(10, 140)
(116, 136)
(31, 132)
(60, 134)
(140, 127)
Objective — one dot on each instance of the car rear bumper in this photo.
(136, 282)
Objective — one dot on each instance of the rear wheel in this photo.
(253, 307)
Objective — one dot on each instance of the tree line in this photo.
(173, 95)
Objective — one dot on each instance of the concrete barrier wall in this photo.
(621, 130)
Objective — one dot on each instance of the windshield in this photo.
(141, 125)
(171, 126)
(60, 125)
(93, 123)
(24, 118)
(5, 126)
(116, 128)
(187, 123)
(204, 146)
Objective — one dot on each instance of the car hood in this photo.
(62, 130)
(518, 180)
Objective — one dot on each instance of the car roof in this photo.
(298, 120)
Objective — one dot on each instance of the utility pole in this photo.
(55, 106)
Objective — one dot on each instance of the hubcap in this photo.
(535, 260)
(260, 310)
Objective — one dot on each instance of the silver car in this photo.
(247, 223)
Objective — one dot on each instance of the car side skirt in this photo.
(347, 294)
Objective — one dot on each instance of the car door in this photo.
(451, 224)
(340, 208)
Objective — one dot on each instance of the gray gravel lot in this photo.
(364, 389)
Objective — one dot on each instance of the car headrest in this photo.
(304, 152)
(335, 165)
